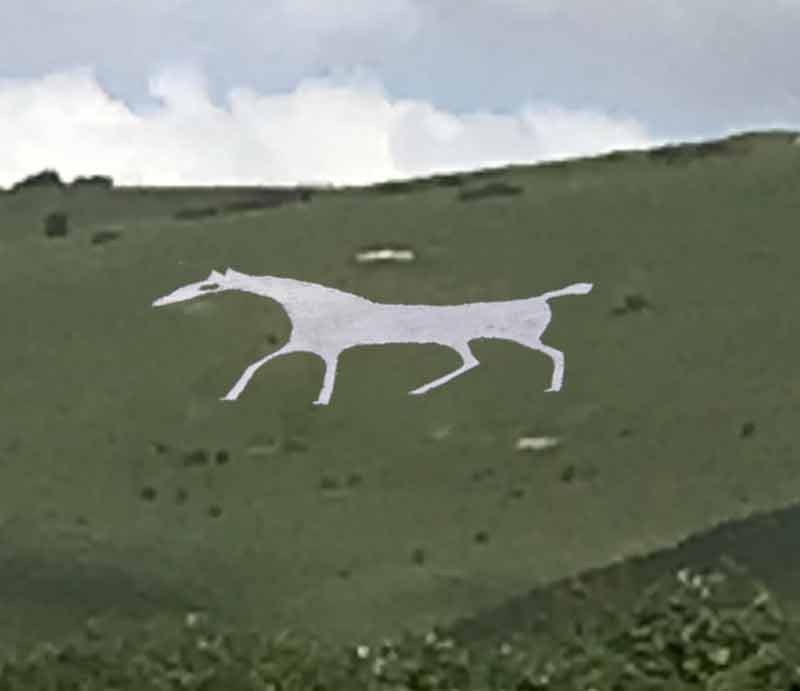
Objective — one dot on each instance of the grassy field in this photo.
(128, 489)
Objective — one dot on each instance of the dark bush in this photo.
(196, 457)
(47, 178)
(198, 212)
(399, 186)
(56, 224)
(613, 156)
(102, 181)
(633, 302)
(683, 153)
(419, 184)
(268, 199)
(454, 180)
(252, 204)
(102, 236)
(492, 189)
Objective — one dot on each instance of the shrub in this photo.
(399, 186)
(451, 180)
(683, 153)
(47, 178)
(198, 212)
(102, 181)
(632, 302)
(103, 236)
(492, 189)
(56, 224)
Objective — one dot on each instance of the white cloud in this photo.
(344, 132)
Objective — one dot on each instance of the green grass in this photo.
(688, 336)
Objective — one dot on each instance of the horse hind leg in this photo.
(469, 361)
(557, 357)
(554, 354)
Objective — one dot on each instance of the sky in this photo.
(351, 92)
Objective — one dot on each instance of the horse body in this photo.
(326, 321)
(381, 323)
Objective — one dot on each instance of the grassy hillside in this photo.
(127, 487)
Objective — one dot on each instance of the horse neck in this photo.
(295, 296)
(283, 290)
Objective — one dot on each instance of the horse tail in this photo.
(574, 289)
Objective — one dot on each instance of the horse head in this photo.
(215, 283)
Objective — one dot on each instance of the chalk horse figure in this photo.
(326, 321)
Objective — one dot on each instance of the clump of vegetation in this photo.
(491, 189)
(420, 184)
(747, 429)
(56, 224)
(100, 181)
(440, 180)
(613, 156)
(452, 180)
(251, 205)
(481, 537)
(632, 302)
(684, 153)
(103, 236)
(773, 135)
(47, 178)
(196, 457)
(295, 445)
(716, 630)
(194, 658)
(354, 479)
(328, 482)
(266, 199)
(399, 186)
(191, 214)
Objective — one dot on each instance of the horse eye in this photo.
(209, 286)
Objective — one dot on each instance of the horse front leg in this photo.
(331, 362)
(238, 387)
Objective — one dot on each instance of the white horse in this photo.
(326, 321)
